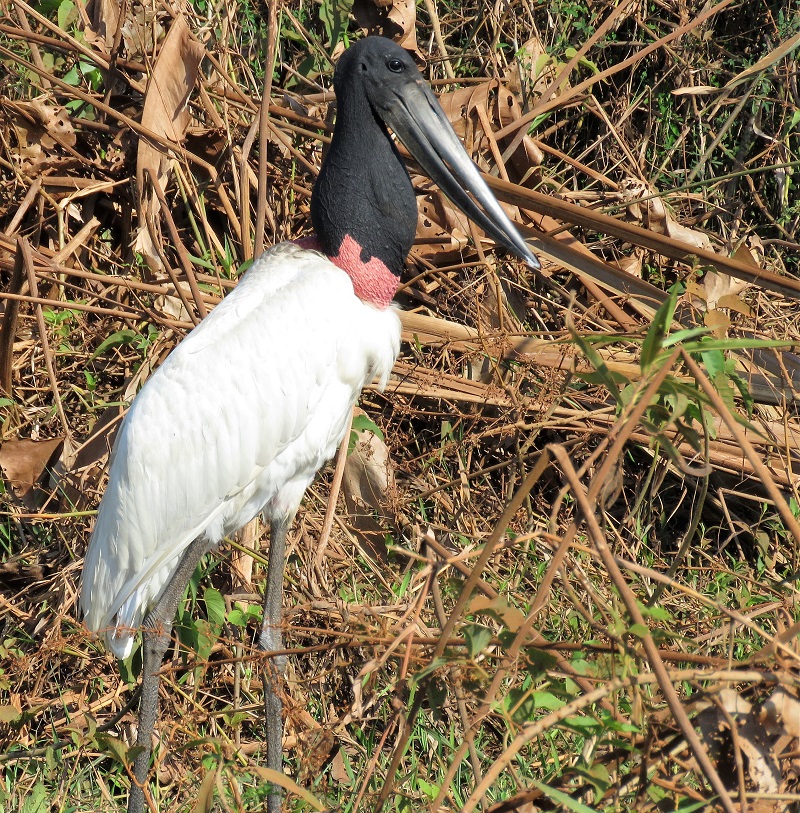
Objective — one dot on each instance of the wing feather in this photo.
(237, 420)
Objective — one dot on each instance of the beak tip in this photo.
(533, 263)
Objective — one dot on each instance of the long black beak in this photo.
(420, 123)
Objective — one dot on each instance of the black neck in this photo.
(363, 189)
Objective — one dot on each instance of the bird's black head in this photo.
(376, 67)
(363, 190)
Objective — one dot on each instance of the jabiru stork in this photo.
(245, 410)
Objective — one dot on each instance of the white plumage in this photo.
(236, 421)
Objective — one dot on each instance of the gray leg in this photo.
(157, 630)
(271, 640)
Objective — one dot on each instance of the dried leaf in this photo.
(141, 30)
(171, 304)
(338, 771)
(653, 214)
(368, 477)
(394, 19)
(469, 108)
(56, 121)
(23, 461)
(718, 285)
(404, 14)
(631, 265)
(522, 76)
(697, 90)
(755, 742)
(103, 22)
(780, 713)
(510, 616)
(735, 303)
(166, 115)
(39, 128)
(776, 54)
(205, 795)
(718, 322)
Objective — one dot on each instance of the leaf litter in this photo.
(490, 376)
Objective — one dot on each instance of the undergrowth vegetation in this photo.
(559, 572)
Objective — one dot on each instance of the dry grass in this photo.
(583, 588)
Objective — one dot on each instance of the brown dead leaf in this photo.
(103, 22)
(441, 237)
(23, 461)
(732, 302)
(521, 76)
(652, 213)
(752, 737)
(80, 471)
(719, 286)
(751, 252)
(631, 265)
(141, 30)
(338, 770)
(166, 115)
(171, 304)
(697, 90)
(718, 322)
(316, 748)
(470, 108)
(499, 607)
(56, 121)
(404, 14)
(39, 127)
(780, 713)
(394, 19)
(368, 477)
(718, 291)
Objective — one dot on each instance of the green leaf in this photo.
(684, 335)
(520, 705)
(547, 700)
(67, 14)
(435, 664)
(563, 799)
(478, 638)
(37, 801)
(335, 15)
(237, 618)
(428, 788)
(539, 661)
(657, 334)
(362, 423)
(714, 362)
(215, 606)
(126, 336)
(583, 724)
(115, 747)
(206, 638)
(436, 693)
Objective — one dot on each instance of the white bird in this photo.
(247, 408)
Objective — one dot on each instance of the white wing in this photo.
(237, 420)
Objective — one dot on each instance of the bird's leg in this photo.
(156, 634)
(271, 640)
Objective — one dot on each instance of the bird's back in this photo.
(237, 420)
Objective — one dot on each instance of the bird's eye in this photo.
(395, 65)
